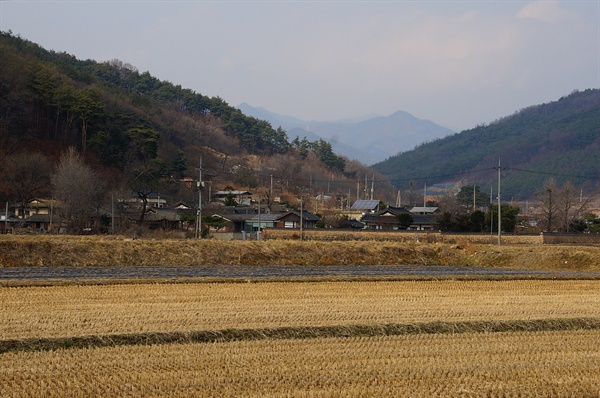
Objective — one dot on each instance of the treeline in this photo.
(560, 138)
(559, 208)
(86, 103)
(103, 107)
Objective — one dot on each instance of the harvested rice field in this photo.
(449, 338)
(514, 364)
(66, 311)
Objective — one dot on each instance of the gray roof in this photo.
(394, 210)
(267, 217)
(306, 215)
(233, 192)
(41, 218)
(154, 214)
(234, 217)
(426, 210)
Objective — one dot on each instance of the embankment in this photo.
(49, 251)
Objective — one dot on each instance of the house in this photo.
(293, 217)
(290, 219)
(387, 219)
(182, 206)
(424, 218)
(352, 224)
(43, 223)
(7, 223)
(233, 222)
(264, 220)
(360, 208)
(162, 218)
(424, 222)
(241, 197)
(154, 200)
(424, 210)
(35, 206)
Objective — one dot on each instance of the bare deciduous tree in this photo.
(561, 205)
(547, 198)
(78, 188)
(26, 176)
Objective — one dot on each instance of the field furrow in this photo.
(64, 311)
(513, 364)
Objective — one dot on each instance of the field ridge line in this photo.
(297, 332)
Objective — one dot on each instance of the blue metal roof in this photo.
(365, 204)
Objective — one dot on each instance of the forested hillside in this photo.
(560, 139)
(134, 129)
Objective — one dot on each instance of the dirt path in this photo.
(38, 275)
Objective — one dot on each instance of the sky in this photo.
(457, 63)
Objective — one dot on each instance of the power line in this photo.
(553, 174)
(429, 177)
(445, 175)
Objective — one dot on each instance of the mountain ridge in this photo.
(559, 139)
(369, 139)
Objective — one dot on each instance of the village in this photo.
(241, 215)
(231, 214)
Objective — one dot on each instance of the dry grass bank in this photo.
(49, 251)
(330, 235)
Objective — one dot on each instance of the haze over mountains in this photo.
(369, 139)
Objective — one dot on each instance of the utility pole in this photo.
(491, 215)
(301, 212)
(258, 231)
(499, 211)
(112, 212)
(200, 185)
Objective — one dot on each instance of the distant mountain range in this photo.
(559, 140)
(369, 139)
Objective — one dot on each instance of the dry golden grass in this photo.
(59, 311)
(38, 251)
(329, 235)
(516, 364)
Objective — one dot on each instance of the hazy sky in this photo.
(456, 63)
